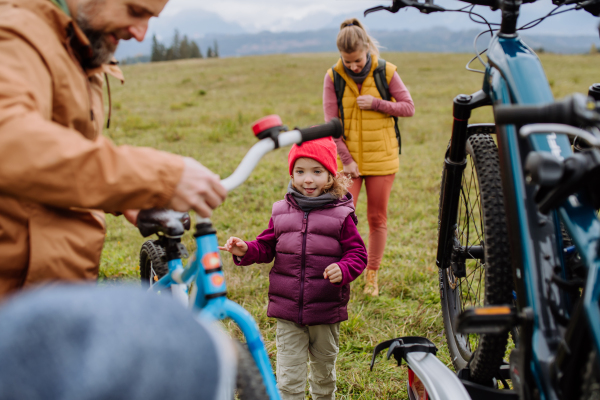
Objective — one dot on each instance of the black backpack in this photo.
(382, 87)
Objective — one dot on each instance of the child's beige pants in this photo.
(296, 343)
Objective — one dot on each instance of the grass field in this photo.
(205, 108)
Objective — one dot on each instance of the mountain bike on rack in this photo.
(161, 266)
(498, 249)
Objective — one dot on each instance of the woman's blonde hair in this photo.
(337, 185)
(353, 36)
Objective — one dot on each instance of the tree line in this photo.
(181, 48)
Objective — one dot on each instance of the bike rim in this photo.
(468, 291)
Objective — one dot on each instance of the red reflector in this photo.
(416, 386)
(217, 280)
(211, 261)
(268, 122)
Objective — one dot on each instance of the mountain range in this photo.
(316, 33)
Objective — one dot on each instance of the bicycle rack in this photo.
(440, 382)
(419, 353)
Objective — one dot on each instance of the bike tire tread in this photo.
(249, 383)
(489, 354)
(153, 251)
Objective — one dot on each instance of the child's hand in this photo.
(334, 273)
(235, 246)
(365, 102)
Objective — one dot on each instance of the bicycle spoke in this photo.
(152, 274)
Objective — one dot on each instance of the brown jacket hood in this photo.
(56, 167)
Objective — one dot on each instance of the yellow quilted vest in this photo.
(370, 135)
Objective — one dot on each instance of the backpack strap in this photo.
(384, 91)
(339, 85)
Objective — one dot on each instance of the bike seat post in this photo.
(210, 279)
(173, 254)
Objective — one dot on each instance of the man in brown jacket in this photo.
(58, 174)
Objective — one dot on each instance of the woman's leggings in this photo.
(378, 188)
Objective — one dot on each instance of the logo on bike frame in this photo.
(554, 147)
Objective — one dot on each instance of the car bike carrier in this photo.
(430, 379)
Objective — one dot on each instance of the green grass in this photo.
(205, 108)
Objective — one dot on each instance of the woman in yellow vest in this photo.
(369, 150)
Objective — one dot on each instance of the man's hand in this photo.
(334, 273)
(365, 102)
(198, 189)
(131, 216)
(352, 170)
(235, 246)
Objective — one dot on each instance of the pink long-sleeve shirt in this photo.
(403, 107)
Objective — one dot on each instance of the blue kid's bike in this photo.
(519, 238)
(161, 265)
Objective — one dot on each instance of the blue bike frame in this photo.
(515, 76)
(205, 269)
(209, 297)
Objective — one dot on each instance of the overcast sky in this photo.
(274, 15)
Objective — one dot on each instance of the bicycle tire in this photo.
(590, 389)
(249, 382)
(153, 264)
(482, 354)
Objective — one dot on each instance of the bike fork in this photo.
(454, 164)
(221, 308)
(213, 304)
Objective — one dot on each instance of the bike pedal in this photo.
(490, 319)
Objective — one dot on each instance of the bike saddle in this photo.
(163, 221)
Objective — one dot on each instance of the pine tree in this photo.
(179, 49)
(169, 54)
(184, 48)
(175, 46)
(158, 50)
(216, 49)
(195, 50)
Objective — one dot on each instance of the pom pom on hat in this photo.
(321, 150)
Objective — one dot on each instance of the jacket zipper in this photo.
(303, 266)
(360, 141)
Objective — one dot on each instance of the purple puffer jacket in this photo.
(303, 245)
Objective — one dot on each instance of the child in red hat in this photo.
(318, 251)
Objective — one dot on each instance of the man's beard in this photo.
(102, 49)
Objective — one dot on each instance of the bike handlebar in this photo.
(428, 6)
(575, 110)
(333, 128)
(493, 4)
(555, 113)
(173, 224)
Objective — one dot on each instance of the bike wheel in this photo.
(477, 271)
(249, 382)
(153, 264)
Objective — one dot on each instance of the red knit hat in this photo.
(321, 150)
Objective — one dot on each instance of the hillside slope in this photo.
(205, 108)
